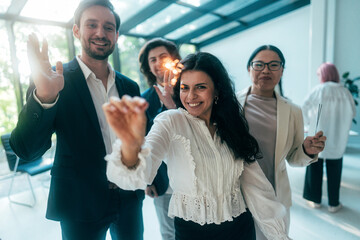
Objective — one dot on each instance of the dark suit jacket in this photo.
(161, 180)
(79, 188)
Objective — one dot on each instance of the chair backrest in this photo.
(10, 155)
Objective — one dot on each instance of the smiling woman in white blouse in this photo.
(211, 157)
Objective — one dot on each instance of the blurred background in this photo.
(307, 32)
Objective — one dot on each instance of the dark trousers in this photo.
(314, 177)
(241, 228)
(124, 219)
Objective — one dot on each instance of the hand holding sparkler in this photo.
(175, 68)
(48, 82)
(127, 118)
(318, 117)
(315, 144)
(170, 78)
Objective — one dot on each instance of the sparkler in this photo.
(318, 117)
(175, 67)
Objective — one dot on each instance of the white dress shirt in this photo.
(337, 112)
(99, 95)
(162, 89)
(209, 185)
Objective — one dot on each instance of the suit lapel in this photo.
(119, 85)
(78, 80)
(283, 116)
(242, 96)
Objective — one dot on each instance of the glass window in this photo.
(266, 10)
(129, 48)
(4, 5)
(77, 45)
(56, 37)
(50, 9)
(195, 3)
(127, 9)
(186, 49)
(233, 6)
(162, 18)
(194, 25)
(215, 32)
(8, 107)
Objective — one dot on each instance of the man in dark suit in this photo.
(68, 101)
(152, 57)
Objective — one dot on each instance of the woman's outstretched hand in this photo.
(127, 118)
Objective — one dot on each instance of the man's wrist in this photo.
(172, 106)
(45, 99)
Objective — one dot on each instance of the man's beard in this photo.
(98, 55)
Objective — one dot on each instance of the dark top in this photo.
(161, 180)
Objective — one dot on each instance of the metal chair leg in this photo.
(22, 203)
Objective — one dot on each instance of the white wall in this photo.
(347, 39)
(347, 47)
(290, 33)
(325, 30)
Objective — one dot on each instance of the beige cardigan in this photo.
(289, 139)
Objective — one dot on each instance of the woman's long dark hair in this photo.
(227, 113)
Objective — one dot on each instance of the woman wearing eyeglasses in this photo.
(276, 124)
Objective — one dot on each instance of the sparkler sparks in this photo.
(175, 67)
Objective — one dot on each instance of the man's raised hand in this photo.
(48, 82)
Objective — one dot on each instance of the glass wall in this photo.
(8, 108)
(13, 70)
(129, 48)
(186, 49)
(11, 74)
(56, 38)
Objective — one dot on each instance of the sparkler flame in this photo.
(175, 67)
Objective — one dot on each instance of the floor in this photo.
(18, 222)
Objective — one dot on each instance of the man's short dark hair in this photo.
(85, 4)
(144, 54)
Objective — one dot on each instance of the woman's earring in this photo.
(216, 99)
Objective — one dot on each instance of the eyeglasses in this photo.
(272, 66)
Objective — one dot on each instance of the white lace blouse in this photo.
(203, 173)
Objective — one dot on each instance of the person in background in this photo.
(152, 57)
(276, 124)
(210, 155)
(68, 101)
(334, 119)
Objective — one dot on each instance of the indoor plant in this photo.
(351, 85)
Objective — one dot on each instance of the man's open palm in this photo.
(48, 82)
